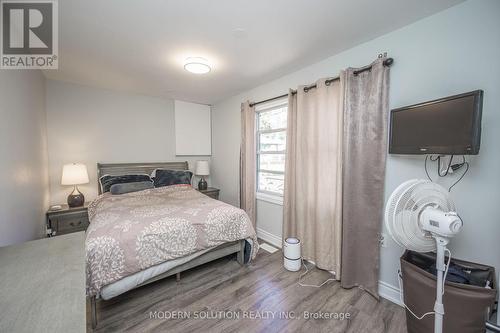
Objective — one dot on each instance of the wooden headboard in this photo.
(117, 169)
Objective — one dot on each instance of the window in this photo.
(271, 149)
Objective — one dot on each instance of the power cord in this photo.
(446, 270)
(401, 289)
(453, 167)
(311, 285)
(462, 176)
(425, 167)
(447, 169)
(403, 302)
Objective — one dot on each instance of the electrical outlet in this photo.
(383, 240)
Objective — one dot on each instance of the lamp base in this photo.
(76, 198)
(202, 185)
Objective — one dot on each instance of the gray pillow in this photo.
(123, 188)
(107, 181)
(166, 177)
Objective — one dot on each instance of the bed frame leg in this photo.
(93, 312)
(240, 256)
(178, 277)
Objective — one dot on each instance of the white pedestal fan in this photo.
(420, 216)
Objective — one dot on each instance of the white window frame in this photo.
(268, 196)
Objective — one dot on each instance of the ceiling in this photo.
(140, 46)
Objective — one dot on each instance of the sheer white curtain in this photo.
(313, 173)
(248, 161)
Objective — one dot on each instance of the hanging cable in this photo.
(446, 270)
(462, 176)
(453, 167)
(444, 282)
(311, 285)
(403, 302)
(425, 167)
(447, 169)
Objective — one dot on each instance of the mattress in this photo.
(130, 282)
(135, 236)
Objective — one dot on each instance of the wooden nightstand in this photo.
(212, 192)
(67, 220)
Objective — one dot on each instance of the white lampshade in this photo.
(202, 168)
(74, 174)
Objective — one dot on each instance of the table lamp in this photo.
(202, 170)
(75, 174)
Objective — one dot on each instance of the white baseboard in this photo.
(385, 290)
(270, 238)
(389, 292)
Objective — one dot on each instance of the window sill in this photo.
(274, 199)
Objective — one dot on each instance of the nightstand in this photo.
(67, 220)
(212, 192)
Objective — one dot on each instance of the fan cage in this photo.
(403, 210)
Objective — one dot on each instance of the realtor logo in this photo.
(29, 37)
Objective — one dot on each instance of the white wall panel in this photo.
(193, 132)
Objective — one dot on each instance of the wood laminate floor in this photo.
(262, 288)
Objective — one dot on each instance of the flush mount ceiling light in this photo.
(197, 65)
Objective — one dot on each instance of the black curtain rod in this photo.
(387, 62)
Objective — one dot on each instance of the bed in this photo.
(137, 238)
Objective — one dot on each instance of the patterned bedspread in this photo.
(131, 232)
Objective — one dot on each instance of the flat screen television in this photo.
(447, 126)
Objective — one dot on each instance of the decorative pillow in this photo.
(123, 188)
(107, 181)
(165, 177)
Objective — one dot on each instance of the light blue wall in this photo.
(453, 51)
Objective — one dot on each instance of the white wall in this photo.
(453, 51)
(23, 156)
(193, 129)
(91, 125)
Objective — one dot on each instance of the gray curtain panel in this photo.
(366, 97)
(313, 174)
(248, 161)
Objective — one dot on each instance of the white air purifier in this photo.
(292, 259)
